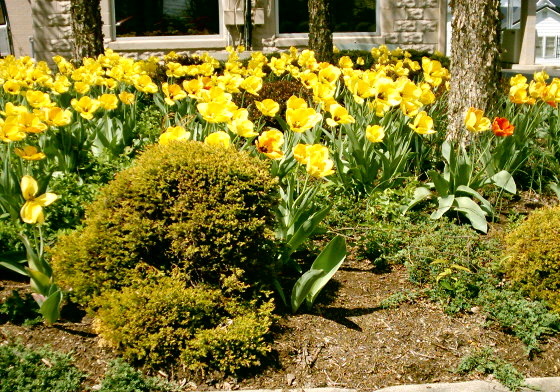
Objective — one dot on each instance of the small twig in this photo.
(422, 355)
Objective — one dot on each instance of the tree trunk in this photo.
(475, 67)
(320, 29)
(86, 26)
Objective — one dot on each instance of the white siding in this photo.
(547, 26)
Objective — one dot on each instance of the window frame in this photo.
(300, 39)
(555, 49)
(167, 42)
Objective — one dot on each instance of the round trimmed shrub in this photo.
(204, 209)
(160, 320)
(533, 255)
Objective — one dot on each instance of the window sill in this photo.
(198, 42)
(342, 41)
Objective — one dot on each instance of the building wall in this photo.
(409, 24)
(21, 25)
(548, 24)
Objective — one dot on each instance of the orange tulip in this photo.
(502, 127)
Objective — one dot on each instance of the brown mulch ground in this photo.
(347, 341)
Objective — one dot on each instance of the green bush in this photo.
(121, 377)
(532, 256)
(27, 370)
(160, 319)
(207, 210)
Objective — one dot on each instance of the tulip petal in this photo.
(29, 187)
(32, 213)
(45, 199)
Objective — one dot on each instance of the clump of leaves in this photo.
(486, 362)
(23, 369)
(528, 320)
(121, 377)
(399, 298)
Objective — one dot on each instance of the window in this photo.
(348, 16)
(510, 13)
(140, 18)
(548, 47)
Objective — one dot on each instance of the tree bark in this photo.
(320, 29)
(86, 26)
(475, 67)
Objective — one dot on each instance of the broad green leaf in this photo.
(50, 308)
(328, 261)
(441, 185)
(505, 181)
(15, 266)
(307, 228)
(486, 206)
(555, 188)
(420, 194)
(473, 213)
(446, 151)
(39, 281)
(302, 286)
(444, 204)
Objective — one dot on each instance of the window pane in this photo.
(347, 15)
(137, 18)
(550, 47)
(538, 47)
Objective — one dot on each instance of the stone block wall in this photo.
(52, 29)
(414, 24)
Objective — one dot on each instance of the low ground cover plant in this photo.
(249, 162)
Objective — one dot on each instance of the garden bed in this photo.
(348, 340)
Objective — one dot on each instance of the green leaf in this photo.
(40, 282)
(420, 194)
(440, 183)
(329, 261)
(324, 267)
(505, 181)
(486, 206)
(307, 228)
(472, 212)
(555, 188)
(444, 205)
(302, 286)
(16, 266)
(50, 308)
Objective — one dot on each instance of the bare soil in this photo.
(346, 341)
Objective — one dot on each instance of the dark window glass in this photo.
(347, 16)
(138, 18)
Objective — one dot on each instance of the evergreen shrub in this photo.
(160, 319)
(206, 210)
(532, 256)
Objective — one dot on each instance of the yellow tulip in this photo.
(216, 112)
(252, 84)
(108, 101)
(12, 87)
(375, 133)
(423, 124)
(38, 99)
(82, 87)
(319, 164)
(86, 106)
(241, 125)
(173, 92)
(144, 83)
(30, 153)
(174, 133)
(32, 123)
(12, 130)
(339, 115)
(270, 143)
(220, 139)
(476, 122)
(300, 120)
(267, 107)
(296, 103)
(127, 98)
(32, 211)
